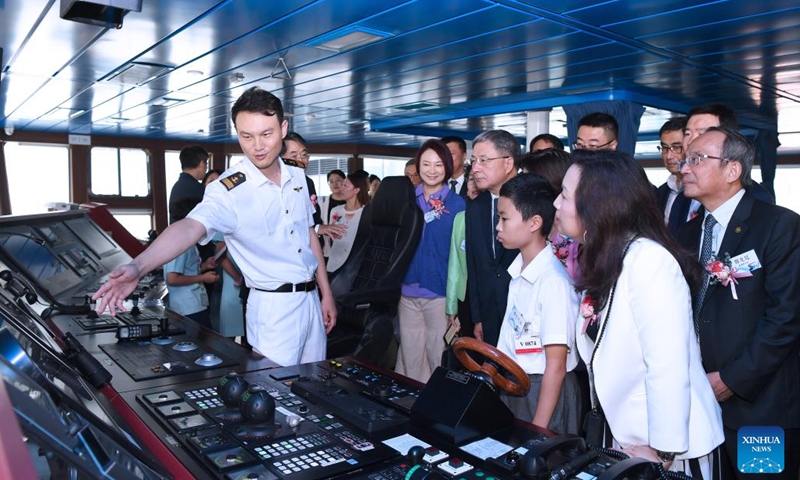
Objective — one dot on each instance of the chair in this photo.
(367, 286)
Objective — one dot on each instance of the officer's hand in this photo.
(121, 283)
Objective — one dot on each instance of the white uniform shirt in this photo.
(265, 225)
(541, 296)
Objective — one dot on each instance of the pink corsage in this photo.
(561, 250)
(587, 312)
(437, 206)
(336, 217)
(722, 271)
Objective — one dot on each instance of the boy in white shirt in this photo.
(538, 330)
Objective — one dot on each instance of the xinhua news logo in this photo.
(760, 450)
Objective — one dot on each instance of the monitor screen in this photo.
(92, 236)
(37, 260)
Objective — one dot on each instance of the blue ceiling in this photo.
(445, 66)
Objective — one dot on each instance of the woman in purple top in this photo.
(422, 304)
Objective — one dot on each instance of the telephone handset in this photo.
(545, 460)
(632, 469)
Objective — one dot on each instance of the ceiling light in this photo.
(237, 77)
(195, 73)
(348, 38)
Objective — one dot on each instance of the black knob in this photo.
(382, 391)
(257, 405)
(512, 457)
(416, 454)
(230, 389)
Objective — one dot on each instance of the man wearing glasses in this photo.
(670, 199)
(495, 154)
(597, 131)
(748, 328)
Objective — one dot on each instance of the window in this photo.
(385, 166)
(233, 159)
(172, 169)
(119, 171)
(137, 222)
(318, 168)
(30, 190)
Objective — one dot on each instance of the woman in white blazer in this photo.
(635, 331)
(355, 193)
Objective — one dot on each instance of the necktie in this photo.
(495, 219)
(705, 256)
(453, 184)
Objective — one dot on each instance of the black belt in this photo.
(309, 286)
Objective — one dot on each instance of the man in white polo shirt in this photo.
(262, 208)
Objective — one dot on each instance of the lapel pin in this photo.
(297, 189)
(738, 230)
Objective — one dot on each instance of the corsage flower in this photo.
(588, 312)
(437, 206)
(721, 270)
(336, 218)
(561, 249)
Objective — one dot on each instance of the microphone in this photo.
(574, 466)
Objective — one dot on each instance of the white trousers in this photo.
(422, 326)
(286, 328)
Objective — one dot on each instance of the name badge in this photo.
(464, 244)
(430, 216)
(746, 262)
(528, 343)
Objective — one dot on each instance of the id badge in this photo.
(528, 343)
(430, 216)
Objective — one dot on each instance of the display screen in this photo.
(92, 236)
(36, 259)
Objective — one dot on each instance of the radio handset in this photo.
(533, 465)
(632, 469)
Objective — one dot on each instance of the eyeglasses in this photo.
(483, 160)
(676, 149)
(693, 159)
(581, 146)
(300, 156)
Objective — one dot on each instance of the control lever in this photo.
(135, 299)
(92, 307)
(418, 471)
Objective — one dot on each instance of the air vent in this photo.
(137, 73)
(348, 38)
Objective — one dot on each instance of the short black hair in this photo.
(209, 173)
(336, 171)
(532, 195)
(457, 140)
(549, 138)
(601, 120)
(550, 163)
(676, 124)
(182, 207)
(374, 177)
(295, 137)
(727, 117)
(256, 100)
(192, 156)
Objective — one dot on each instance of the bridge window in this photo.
(119, 171)
(38, 176)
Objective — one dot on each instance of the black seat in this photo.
(367, 286)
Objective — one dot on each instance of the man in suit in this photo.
(495, 154)
(458, 149)
(597, 131)
(670, 199)
(750, 336)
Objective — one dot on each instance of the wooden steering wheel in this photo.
(494, 358)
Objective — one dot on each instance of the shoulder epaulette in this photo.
(232, 181)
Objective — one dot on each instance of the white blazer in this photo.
(647, 371)
(340, 249)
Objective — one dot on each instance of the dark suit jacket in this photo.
(754, 342)
(680, 207)
(487, 277)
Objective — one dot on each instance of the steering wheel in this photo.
(494, 359)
